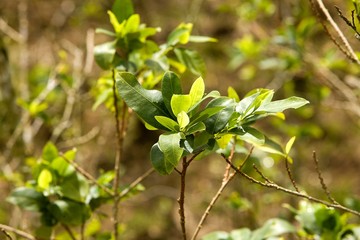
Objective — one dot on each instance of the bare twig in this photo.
(88, 175)
(275, 186)
(5, 228)
(136, 182)
(10, 32)
(181, 199)
(321, 179)
(347, 50)
(68, 230)
(226, 180)
(290, 175)
(120, 133)
(6, 234)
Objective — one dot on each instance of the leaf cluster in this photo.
(197, 122)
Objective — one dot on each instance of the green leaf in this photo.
(104, 54)
(197, 127)
(180, 103)
(289, 145)
(205, 114)
(27, 198)
(197, 91)
(70, 212)
(158, 160)
(169, 144)
(62, 167)
(44, 179)
(74, 187)
(201, 39)
(212, 94)
(50, 152)
(281, 105)
(132, 24)
(168, 123)
(122, 9)
(180, 34)
(170, 85)
(240, 234)
(219, 235)
(183, 119)
(233, 94)
(118, 27)
(250, 135)
(106, 32)
(192, 60)
(272, 228)
(218, 121)
(146, 103)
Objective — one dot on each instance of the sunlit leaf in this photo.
(233, 94)
(289, 145)
(201, 39)
(183, 119)
(44, 179)
(50, 152)
(197, 91)
(281, 105)
(168, 123)
(180, 103)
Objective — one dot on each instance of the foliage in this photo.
(316, 222)
(189, 127)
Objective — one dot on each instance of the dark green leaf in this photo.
(146, 103)
(70, 212)
(104, 54)
(74, 187)
(170, 85)
(217, 122)
(192, 60)
(27, 198)
(169, 144)
(158, 161)
(122, 9)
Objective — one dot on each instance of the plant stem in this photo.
(17, 232)
(136, 182)
(68, 230)
(181, 199)
(119, 143)
(272, 185)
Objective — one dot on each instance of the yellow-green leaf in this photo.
(44, 179)
(183, 119)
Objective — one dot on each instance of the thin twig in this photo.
(6, 233)
(349, 52)
(136, 182)
(226, 180)
(17, 232)
(181, 199)
(291, 192)
(10, 32)
(120, 133)
(321, 179)
(290, 175)
(68, 230)
(266, 179)
(87, 175)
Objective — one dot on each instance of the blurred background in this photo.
(277, 44)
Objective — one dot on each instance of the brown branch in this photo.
(347, 50)
(290, 175)
(5, 228)
(87, 175)
(119, 143)
(68, 230)
(291, 192)
(226, 180)
(321, 179)
(136, 182)
(181, 199)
